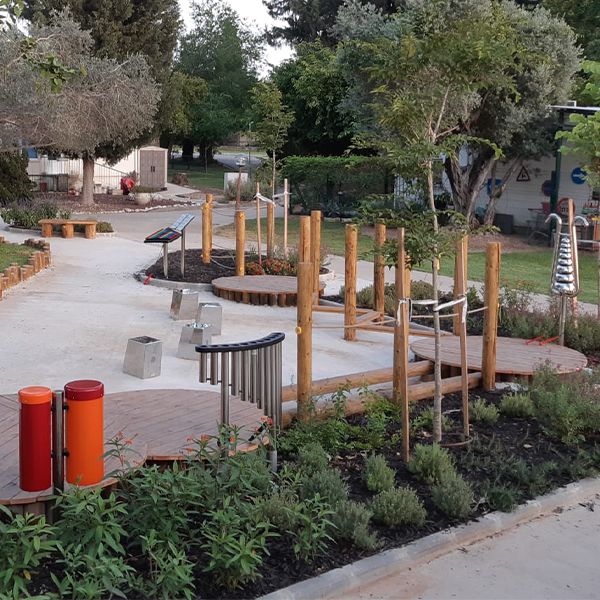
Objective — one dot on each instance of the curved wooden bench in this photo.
(68, 227)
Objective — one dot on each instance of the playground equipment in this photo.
(46, 420)
(143, 357)
(184, 304)
(565, 263)
(251, 370)
(166, 235)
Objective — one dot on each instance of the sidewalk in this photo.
(555, 557)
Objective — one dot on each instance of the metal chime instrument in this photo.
(565, 265)
(250, 370)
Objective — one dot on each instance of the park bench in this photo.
(166, 235)
(68, 227)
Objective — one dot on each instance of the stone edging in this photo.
(368, 570)
(39, 260)
(174, 285)
(198, 287)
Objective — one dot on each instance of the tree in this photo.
(224, 52)
(104, 105)
(312, 20)
(272, 119)
(15, 184)
(314, 87)
(584, 136)
(426, 77)
(120, 29)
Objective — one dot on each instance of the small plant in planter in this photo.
(142, 195)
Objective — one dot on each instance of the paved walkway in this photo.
(555, 557)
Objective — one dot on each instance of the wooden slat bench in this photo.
(68, 227)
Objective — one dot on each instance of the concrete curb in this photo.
(174, 285)
(368, 570)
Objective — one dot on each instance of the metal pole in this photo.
(214, 368)
(563, 320)
(183, 253)
(225, 388)
(246, 391)
(58, 444)
(235, 373)
(166, 260)
(203, 367)
(254, 375)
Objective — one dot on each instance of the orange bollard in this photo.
(35, 462)
(84, 429)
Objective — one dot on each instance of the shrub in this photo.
(281, 509)
(531, 479)
(235, 546)
(28, 215)
(560, 416)
(502, 497)
(517, 405)
(247, 191)
(312, 458)
(351, 521)
(424, 422)
(15, 184)
(430, 463)
(104, 227)
(378, 476)
(482, 412)
(312, 532)
(398, 506)
(453, 496)
(328, 485)
(26, 543)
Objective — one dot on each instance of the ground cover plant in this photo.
(222, 525)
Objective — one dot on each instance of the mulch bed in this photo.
(222, 264)
(103, 203)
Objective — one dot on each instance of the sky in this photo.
(253, 11)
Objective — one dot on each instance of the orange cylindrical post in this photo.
(84, 430)
(35, 418)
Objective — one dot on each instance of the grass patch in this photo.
(530, 270)
(14, 253)
(332, 235)
(197, 176)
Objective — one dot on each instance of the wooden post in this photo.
(258, 231)
(460, 276)
(350, 283)
(207, 229)
(286, 207)
(379, 270)
(270, 230)
(304, 339)
(304, 241)
(315, 250)
(240, 243)
(464, 366)
(401, 332)
(490, 323)
(570, 229)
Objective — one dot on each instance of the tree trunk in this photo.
(497, 191)
(87, 189)
(435, 265)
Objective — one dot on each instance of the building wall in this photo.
(521, 196)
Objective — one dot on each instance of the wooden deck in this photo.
(274, 290)
(514, 355)
(159, 422)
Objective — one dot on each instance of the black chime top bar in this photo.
(270, 340)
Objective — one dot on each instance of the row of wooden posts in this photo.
(240, 231)
(308, 290)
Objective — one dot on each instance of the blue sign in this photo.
(578, 176)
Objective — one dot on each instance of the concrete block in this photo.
(211, 313)
(192, 335)
(143, 357)
(184, 305)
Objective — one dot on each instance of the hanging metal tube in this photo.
(225, 388)
(235, 373)
(246, 376)
(203, 368)
(214, 369)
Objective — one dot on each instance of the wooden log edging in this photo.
(14, 274)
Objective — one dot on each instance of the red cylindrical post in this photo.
(35, 460)
(84, 429)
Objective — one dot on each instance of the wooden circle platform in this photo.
(274, 290)
(159, 424)
(514, 355)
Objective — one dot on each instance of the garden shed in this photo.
(153, 167)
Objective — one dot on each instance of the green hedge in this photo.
(15, 184)
(335, 184)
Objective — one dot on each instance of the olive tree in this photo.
(103, 103)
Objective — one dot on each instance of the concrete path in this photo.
(555, 557)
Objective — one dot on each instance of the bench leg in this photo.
(68, 230)
(46, 229)
(90, 232)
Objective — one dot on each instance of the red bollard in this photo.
(35, 460)
(84, 429)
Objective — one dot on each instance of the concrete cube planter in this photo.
(143, 357)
